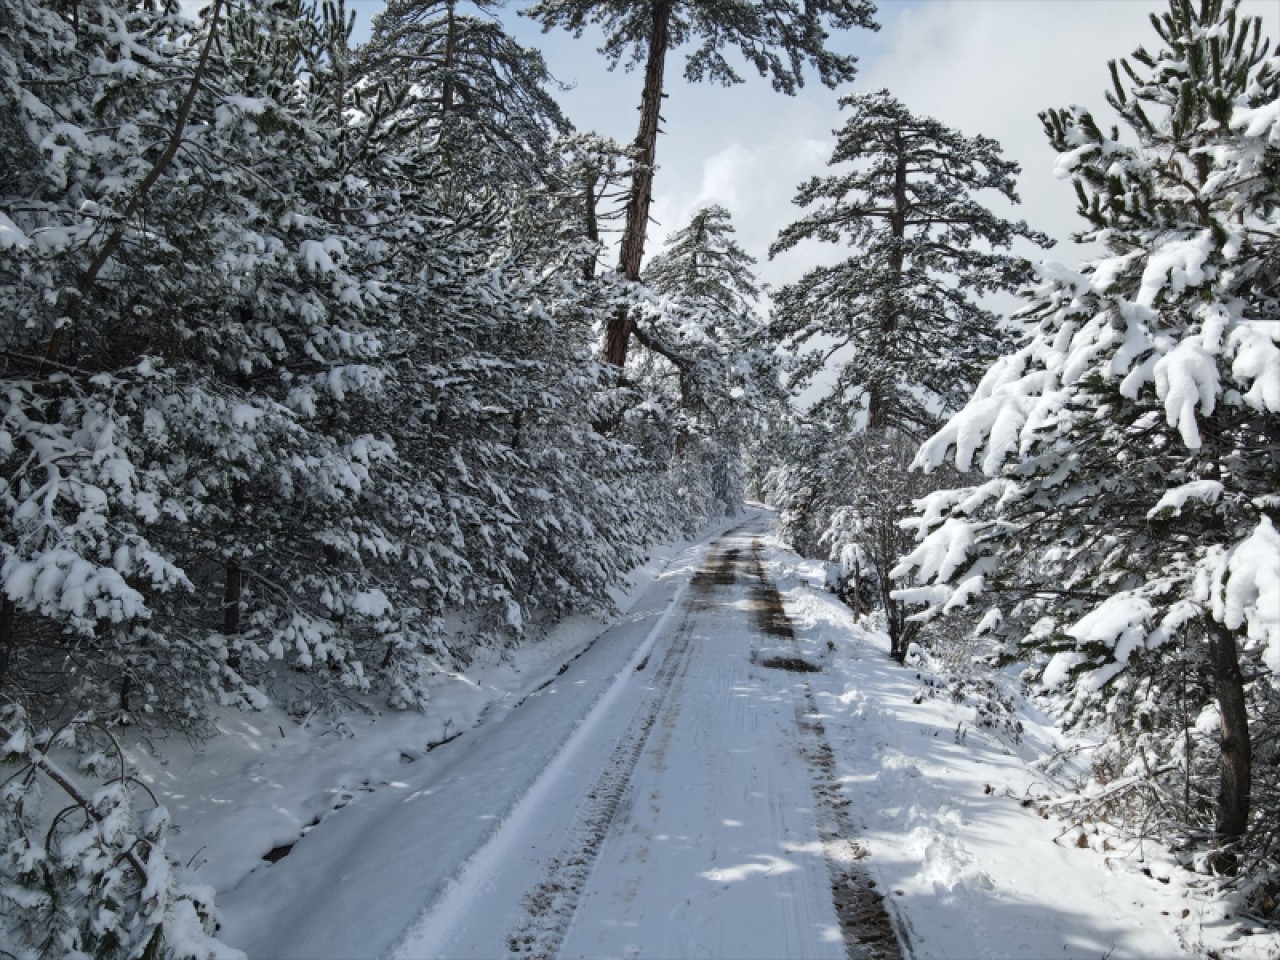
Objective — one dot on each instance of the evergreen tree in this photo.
(585, 194)
(903, 308)
(902, 317)
(1127, 533)
(470, 94)
(703, 264)
(777, 37)
(705, 333)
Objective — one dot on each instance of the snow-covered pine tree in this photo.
(777, 37)
(703, 335)
(585, 194)
(473, 96)
(902, 312)
(501, 501)
(80, 550)
(175, 445)
(902, 317)
(703, 264)
(1126, 536)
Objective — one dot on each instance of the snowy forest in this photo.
(329, 369)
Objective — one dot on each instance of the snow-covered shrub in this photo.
(83, 866)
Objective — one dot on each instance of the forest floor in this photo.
(735, 768)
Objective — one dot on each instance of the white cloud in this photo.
(991, 66)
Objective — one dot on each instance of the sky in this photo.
(980, 66)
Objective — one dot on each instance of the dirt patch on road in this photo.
(790, 664)
(720, 569)
(868, 928)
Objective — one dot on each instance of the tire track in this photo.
(550, 906)
(868, 927)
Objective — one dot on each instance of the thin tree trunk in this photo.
(450, 48)
(447, 92)
(857, 588)
(889, 318)
(232, 589)
(7, 640)
(593, 227)
(895, 619)
(1236, 773)
(618, 333)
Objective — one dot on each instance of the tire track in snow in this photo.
(552, 903)
(870, 931)
(437, 922)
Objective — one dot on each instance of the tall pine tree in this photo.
(901, 317)
(902, 312)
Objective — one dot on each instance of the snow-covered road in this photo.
(662, 798)
(691, 830)
(733, 769)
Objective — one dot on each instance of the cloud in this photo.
(754, 180)
(990, 67)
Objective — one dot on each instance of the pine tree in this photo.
(585, 194)
(476, 98)
(1127, 533)
(903, 309)
(777, 37)
(703, 264)
(902, 318)
(707, 330)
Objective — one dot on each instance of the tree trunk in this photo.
(877, 415)
(7, 639)
(450, 48)
(875, 407)
(1236, 773)
(898, 230)
(593, 227)
(896, 621)
(232, 589)
(618, 333)
(857, 589)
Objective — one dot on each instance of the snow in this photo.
(940, 553)
(267, 776)
(1059, 668)
(1207, 491)
(1186, 381)
(318, 255)
(1257, 362)
(1263, 121)
(671, 763)
(1113, 620)
(1175, 265)
(11, 238)
(1251, 594)
(959, 821)
(972, 871)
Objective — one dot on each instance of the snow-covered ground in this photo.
(668, 793)
(959, 819)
